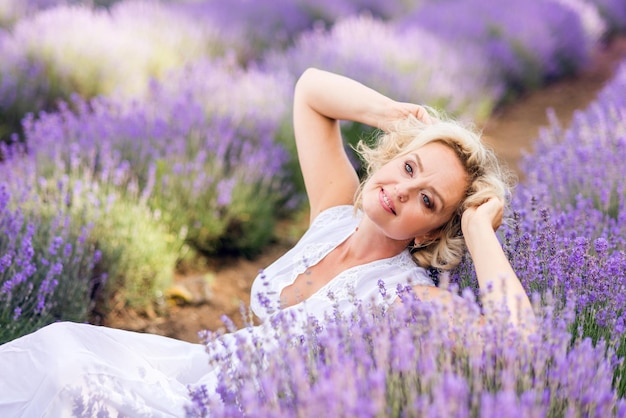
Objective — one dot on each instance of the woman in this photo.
(432, 189)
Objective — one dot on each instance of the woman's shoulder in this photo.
(331, 224)
(335, 214)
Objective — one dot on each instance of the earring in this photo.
(413, 246)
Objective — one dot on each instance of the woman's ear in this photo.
(427, 239)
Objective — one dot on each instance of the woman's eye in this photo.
(427, 201)
(408, 168)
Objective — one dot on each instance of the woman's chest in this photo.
(314, 278)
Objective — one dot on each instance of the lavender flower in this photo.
(210, 169)
(434, 73)
(75, 48)
(522, 54)
(38, 283)
(407, 361)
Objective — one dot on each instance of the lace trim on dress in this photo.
(343, 285)
(331, 215)
(329, 229)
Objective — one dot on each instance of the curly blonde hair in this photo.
(486, 176)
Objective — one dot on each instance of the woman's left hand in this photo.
(491, 212)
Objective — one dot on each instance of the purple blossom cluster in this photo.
(570, 219)
(582, 165)
(98, 202)
(410, 361)
(46, 261)
(60, 48)
(525, 42)
(201, 149)
(437, 73)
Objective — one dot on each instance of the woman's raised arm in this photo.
(498, 281)
(499, 284)
(321, 100)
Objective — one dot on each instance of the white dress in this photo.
(69, 369)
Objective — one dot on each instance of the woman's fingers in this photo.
(491, 210)
(401, 110)
(423, 115)
(417, 111)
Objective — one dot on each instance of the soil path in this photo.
(510, 131)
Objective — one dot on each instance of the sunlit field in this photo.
(140, 136)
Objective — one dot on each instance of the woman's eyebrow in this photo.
(418, 160)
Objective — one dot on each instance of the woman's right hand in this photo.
(395, 111)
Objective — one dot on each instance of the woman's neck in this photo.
(369, 243)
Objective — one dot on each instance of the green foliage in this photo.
(212, 227)
(138, 253)
(585, 325)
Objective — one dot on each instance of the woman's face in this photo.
(414, 194)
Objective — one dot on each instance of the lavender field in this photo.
(140, 136)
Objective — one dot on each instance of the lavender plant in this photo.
(526, 42)
(330, 11)
(255, 26)
(265, 25)
(582, 165)
(22, 87)
(214, 173)
(14, 10)
(591, 202)
(410, 361)
(435, 72)
(47, 262)
(138, 253)
(59, 51)
(568, 234)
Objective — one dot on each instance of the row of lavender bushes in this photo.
(47, 261)
(54, 48)
(171, 175)
(177, 128)
(566, 240)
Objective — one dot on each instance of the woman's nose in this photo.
(402, 192)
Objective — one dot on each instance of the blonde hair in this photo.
(486, 177)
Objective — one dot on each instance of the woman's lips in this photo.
(386, 202)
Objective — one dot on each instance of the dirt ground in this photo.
(204, 297)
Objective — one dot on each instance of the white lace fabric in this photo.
(329, 229)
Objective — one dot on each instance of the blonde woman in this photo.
(432, 190)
